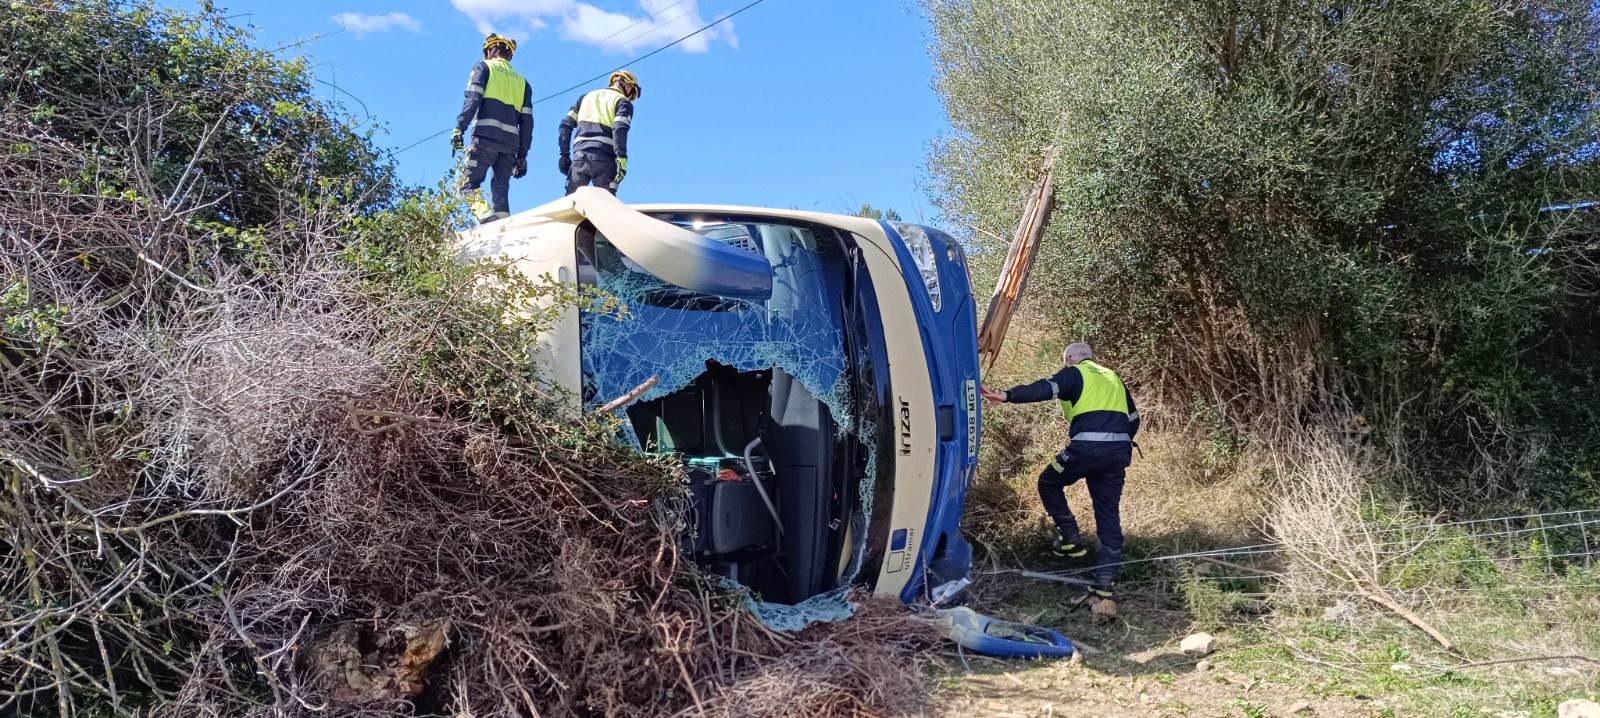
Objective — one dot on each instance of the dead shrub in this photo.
(267, 482)
(1336, 534)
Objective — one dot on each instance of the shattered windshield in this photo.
(770, 396)
(670, 332)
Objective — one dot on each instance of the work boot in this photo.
(1069, 549)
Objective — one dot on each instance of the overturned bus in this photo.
(816, 374)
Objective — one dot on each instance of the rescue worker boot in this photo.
(1065, 548)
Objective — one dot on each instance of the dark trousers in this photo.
(480, 158)
(592, 169)
(1105, 471)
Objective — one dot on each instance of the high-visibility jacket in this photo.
(1093, 399)
(499, 105)
(600, 120)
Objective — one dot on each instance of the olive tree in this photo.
(1279, 208)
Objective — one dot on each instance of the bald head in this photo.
(1076, 352)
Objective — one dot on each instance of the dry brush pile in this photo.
(267, 451)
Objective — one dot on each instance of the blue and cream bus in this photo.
(817, 375)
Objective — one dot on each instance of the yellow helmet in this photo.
(493, 39)
(627, 78)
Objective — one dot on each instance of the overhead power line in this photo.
(607, 73)
(651, 53)
(653, 28)
(635, 23)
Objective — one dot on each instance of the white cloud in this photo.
(507, 16)
(654, 23)
(362, 24)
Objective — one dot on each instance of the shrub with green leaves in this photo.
(268, 449)
(1289, 209)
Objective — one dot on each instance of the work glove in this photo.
(565, 164)
(520, 168)
(455, 142)
(622, 171)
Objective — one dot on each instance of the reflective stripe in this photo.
(1055, 391)
(1133, 416)
(1099, 436)
(602, 139)
(474, 89)
(527, 111)
(624, 121)
(503, 126)
(573, 114)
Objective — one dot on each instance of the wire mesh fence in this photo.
(1557, 541)
(1473, 612)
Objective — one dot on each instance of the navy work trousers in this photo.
(480, 159)
(590, 168)
(1105, 470)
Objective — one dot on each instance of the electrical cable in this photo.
(647, 55)
(664, 23)
(635, 23)
(546, 98)
(1279, 547)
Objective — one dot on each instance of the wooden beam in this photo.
(1036, 212)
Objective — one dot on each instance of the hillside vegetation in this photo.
(1348, 257)
(266, 449)
(1290, 214)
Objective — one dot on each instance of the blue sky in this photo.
(816, 104)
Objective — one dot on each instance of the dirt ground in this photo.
(1130, 667)
(1149, 683)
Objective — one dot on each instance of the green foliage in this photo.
(1221, 444)
(1248, 708)
(871, 212)
(407, 256)
(1455, 562)
(241, 128)
(38, 324)
(1216, 603)
(1287, 209)
(1208, 603)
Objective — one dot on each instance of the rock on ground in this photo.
(1199, 644)
(1579, 708)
